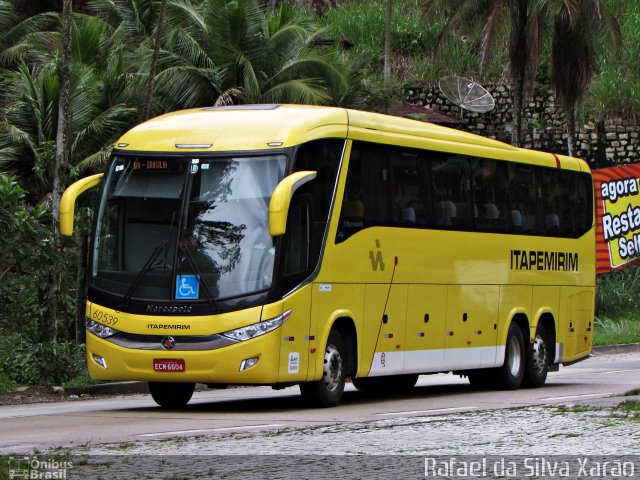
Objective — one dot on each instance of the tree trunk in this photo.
(60, 169)
(518, 67)
(146, 109)
(569, 113)
(81, 279)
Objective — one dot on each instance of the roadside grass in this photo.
(611, 331)
(630, 409)
(618, 307)
(80, 381)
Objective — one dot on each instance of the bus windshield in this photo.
(168, 228)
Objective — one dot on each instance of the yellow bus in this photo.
(299, 245)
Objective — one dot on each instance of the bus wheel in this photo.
(171, 394)
(510, 375)
(537, 360)
(327, 391)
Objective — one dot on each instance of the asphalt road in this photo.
(600, 380)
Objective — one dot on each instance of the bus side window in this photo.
(487, 188)
(452, 193)
(323, 157)
(407, 200)
(297, 242)
(582, 204)
(368, 190)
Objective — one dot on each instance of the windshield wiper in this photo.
(143, 271)
(201, 276)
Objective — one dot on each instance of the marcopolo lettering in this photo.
(543, 260)
(168, 308)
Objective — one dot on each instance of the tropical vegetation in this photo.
(121, 61)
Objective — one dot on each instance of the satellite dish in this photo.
(466, 93)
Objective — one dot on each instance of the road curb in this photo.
(611, 349)
(111, 388)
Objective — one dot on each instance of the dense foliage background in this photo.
(126, 65)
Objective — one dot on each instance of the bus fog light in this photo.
(99, 360)
(248, 363)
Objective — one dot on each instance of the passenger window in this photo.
(368, 191)
(408, 204)
(452, 193)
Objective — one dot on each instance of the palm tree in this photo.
(101, 107)
(148, 98)
(513, 22)
(222, 51)
(16, 37)
(577, 26)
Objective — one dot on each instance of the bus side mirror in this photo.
(68, 201)
(281, 199)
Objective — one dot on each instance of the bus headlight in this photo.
(99, 329)
(257, 329)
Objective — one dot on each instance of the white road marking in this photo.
(587, 395)
(202, 430)
(616, 371)
(435, 410)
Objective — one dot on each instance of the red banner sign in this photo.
(617, 193)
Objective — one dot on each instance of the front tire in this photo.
(327, 392)
(171, 394)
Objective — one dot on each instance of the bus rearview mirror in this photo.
(68, 201)
(281, 200)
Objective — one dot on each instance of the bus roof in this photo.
(264, 127)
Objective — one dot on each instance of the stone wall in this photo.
(601, 142)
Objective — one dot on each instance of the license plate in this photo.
(169, 365)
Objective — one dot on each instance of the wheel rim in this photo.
(515, 357)
(332, 368)
(539, 355)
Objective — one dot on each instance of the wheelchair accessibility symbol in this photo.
(187, 287)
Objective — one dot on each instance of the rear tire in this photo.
(511, 374)
(171, 394)
(537, 365)
(327, 392)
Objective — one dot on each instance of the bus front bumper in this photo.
(253, 361)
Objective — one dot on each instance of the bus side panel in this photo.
(424, 337)
(390, 322)
(294, 337)
(514, 299)
(331, 301)
(470, 337)
(576, 322)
